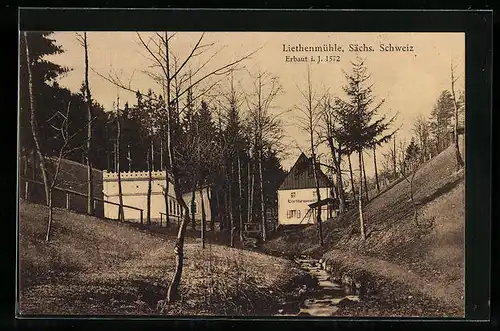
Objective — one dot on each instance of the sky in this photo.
(408, 81)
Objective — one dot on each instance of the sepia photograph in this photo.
(225, 173)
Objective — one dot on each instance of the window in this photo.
(298, 213)
(170, 207)
(193, 207)
(293, 213)
(292, 195)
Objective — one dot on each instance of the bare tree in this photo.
(160, 53)
(234, 139)
(337, 146)
(63, 130)
(34, 124)
(208, 153)
(422, 132)
(60, 122)
(401, 156)
(121, 215)
(263, 127)
(88, 99)
(250, 188)
(408, 169)
(460, 161)
(390, 160)
(309, 120)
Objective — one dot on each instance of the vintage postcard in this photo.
(242, 174)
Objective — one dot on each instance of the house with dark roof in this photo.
(297, 199)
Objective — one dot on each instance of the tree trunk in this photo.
(121, 215)
(161, 153)
(340, 184)
(152, 155)
(129, 159)
(33, 159)
(34, 126)
(229, 203)
(219, 211)
(167, 200)
(315, 173)
(167, 182)
(364, 177)
(203, 219)
(460, 161)
(360, 203)
(193, 203)
(90, 179)
(49, 224)
(115, 161)
(318, 198)
(415, 215)
(24, 159)
(172, 293)
(240, 199)
(231, 214)
(376, 171)
(211, 206)
(395, 170)
(352, 178)
(250, 192)
(213, 209)
(148, 217)
(337, 160)
(226, 210)
(262, 202)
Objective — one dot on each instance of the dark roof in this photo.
(302, 176)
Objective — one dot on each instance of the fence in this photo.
(169, 219)
(252, 229)
(34, 191)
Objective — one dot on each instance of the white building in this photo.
(298, 191)
(134, 193)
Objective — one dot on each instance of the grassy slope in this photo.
(425, 261)
(102, 267)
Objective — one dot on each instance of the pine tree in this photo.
(45, 90)
(441, 116)
(362, 126)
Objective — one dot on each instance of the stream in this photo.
(325, 299)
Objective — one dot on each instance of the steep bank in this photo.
(399, 258)
(97, 267)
